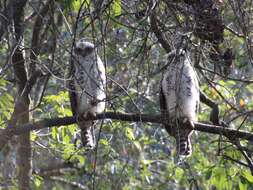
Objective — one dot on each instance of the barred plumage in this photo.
(179, 101)
(87, 88)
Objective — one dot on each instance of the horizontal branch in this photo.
(7, 133)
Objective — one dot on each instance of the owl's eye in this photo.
(88, 49)
(78, 50)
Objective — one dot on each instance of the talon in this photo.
(94, 102)
(80, 118)
(188, 124)
(191, 125)
(89, 115)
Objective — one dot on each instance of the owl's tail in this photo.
(184, 145)
(183, 139)
(87, 136)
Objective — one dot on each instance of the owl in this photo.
(179, 101)
(87, 88)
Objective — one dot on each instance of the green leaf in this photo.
(80, 158)
(248, 176)
(54, 133)
(179, 173)
(146, 162)
(137, 145)
(222, 82)
(66, 139)
(104, 142)
(37, 181)
(116, 6)
(72, 129)
(242, 186)
(63, 131)
(68, 151)
(129, 133)
(76, 4)
(33, 136)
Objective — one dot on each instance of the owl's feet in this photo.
(89, 115)
(94, 102)
(188, 124)
(87, 139)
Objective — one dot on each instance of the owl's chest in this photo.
(180, 87)
(85, 74)
(177, 80)
(89, 84)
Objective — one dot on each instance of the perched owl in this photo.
(179, 101)
(87, 88)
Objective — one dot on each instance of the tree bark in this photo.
(132, 117)
(21, 109)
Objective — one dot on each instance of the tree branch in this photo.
(56, 122)
(5, 18)
(158, 33)
(56, 169)
(35, 46)
(68, 182)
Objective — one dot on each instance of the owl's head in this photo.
(84, 48)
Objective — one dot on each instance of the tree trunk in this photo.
(21, 109)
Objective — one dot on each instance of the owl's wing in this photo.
(162, 100)
(72, 97)
(71, 88)
(163, 109)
